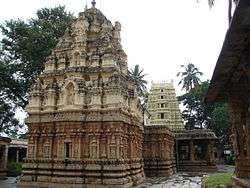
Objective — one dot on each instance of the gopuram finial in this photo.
(93, 3)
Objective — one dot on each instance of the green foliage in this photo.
(24, 47)
(220, 122)
(198, 114)
(220, 179)
(230, 160)
(14, 169)
(189, 77)
(138, 77)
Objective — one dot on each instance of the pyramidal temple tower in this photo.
(85, 120)
(163, 106)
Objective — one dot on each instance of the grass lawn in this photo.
(220, 179)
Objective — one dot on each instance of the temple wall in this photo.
(158, 151)
(95, 153)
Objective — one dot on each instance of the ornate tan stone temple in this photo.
(85, 119)
(167, 145)
(231, 83)
(163, 106)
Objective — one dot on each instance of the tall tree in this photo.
(220, 123)
(24, 47)
(198, 114)
(230, 7)
(138, 76)
(189, 77)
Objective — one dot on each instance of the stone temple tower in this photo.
(163, 106)
(85, 119)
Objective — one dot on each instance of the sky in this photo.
(159, 35)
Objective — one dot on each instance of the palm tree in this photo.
(138, 76)
(230, 5)
(189, 77)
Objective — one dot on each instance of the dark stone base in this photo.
(196, 166)
(3, 173)
(159, 167)
(103, 174)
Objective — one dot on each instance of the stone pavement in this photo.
(10, 182)
(180, 180)
(176, 181)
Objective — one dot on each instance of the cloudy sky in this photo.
(158, 35)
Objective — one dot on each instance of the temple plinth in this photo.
(85, 123)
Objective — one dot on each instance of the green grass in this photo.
(220, 179)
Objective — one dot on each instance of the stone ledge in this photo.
(240, 182)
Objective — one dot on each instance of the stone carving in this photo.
(77, 117)
(70, 94)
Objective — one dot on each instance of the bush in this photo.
(230, 160)
(14, 169)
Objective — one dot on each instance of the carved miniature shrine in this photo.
(195, 150)
(85, 119)
(231, 83)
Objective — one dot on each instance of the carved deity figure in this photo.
(70, 99)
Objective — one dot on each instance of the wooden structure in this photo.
(231, 83)
(195, 150)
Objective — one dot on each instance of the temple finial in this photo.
(93, 3)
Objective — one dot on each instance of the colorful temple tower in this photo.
(163, 106)
(85, 119)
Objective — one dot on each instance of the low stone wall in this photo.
(240, 183)
(101, 154)
(158, 151)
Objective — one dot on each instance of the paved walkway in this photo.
(180, 180)
(10, 182)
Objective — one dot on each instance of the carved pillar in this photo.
(235, 118)
(209, 156)
(5, 156)
(17, 155)
(240, 118)
(191, 150)
(247, 132)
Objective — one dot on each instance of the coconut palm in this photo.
(138, 76)
(189, 77)
(230, 5)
